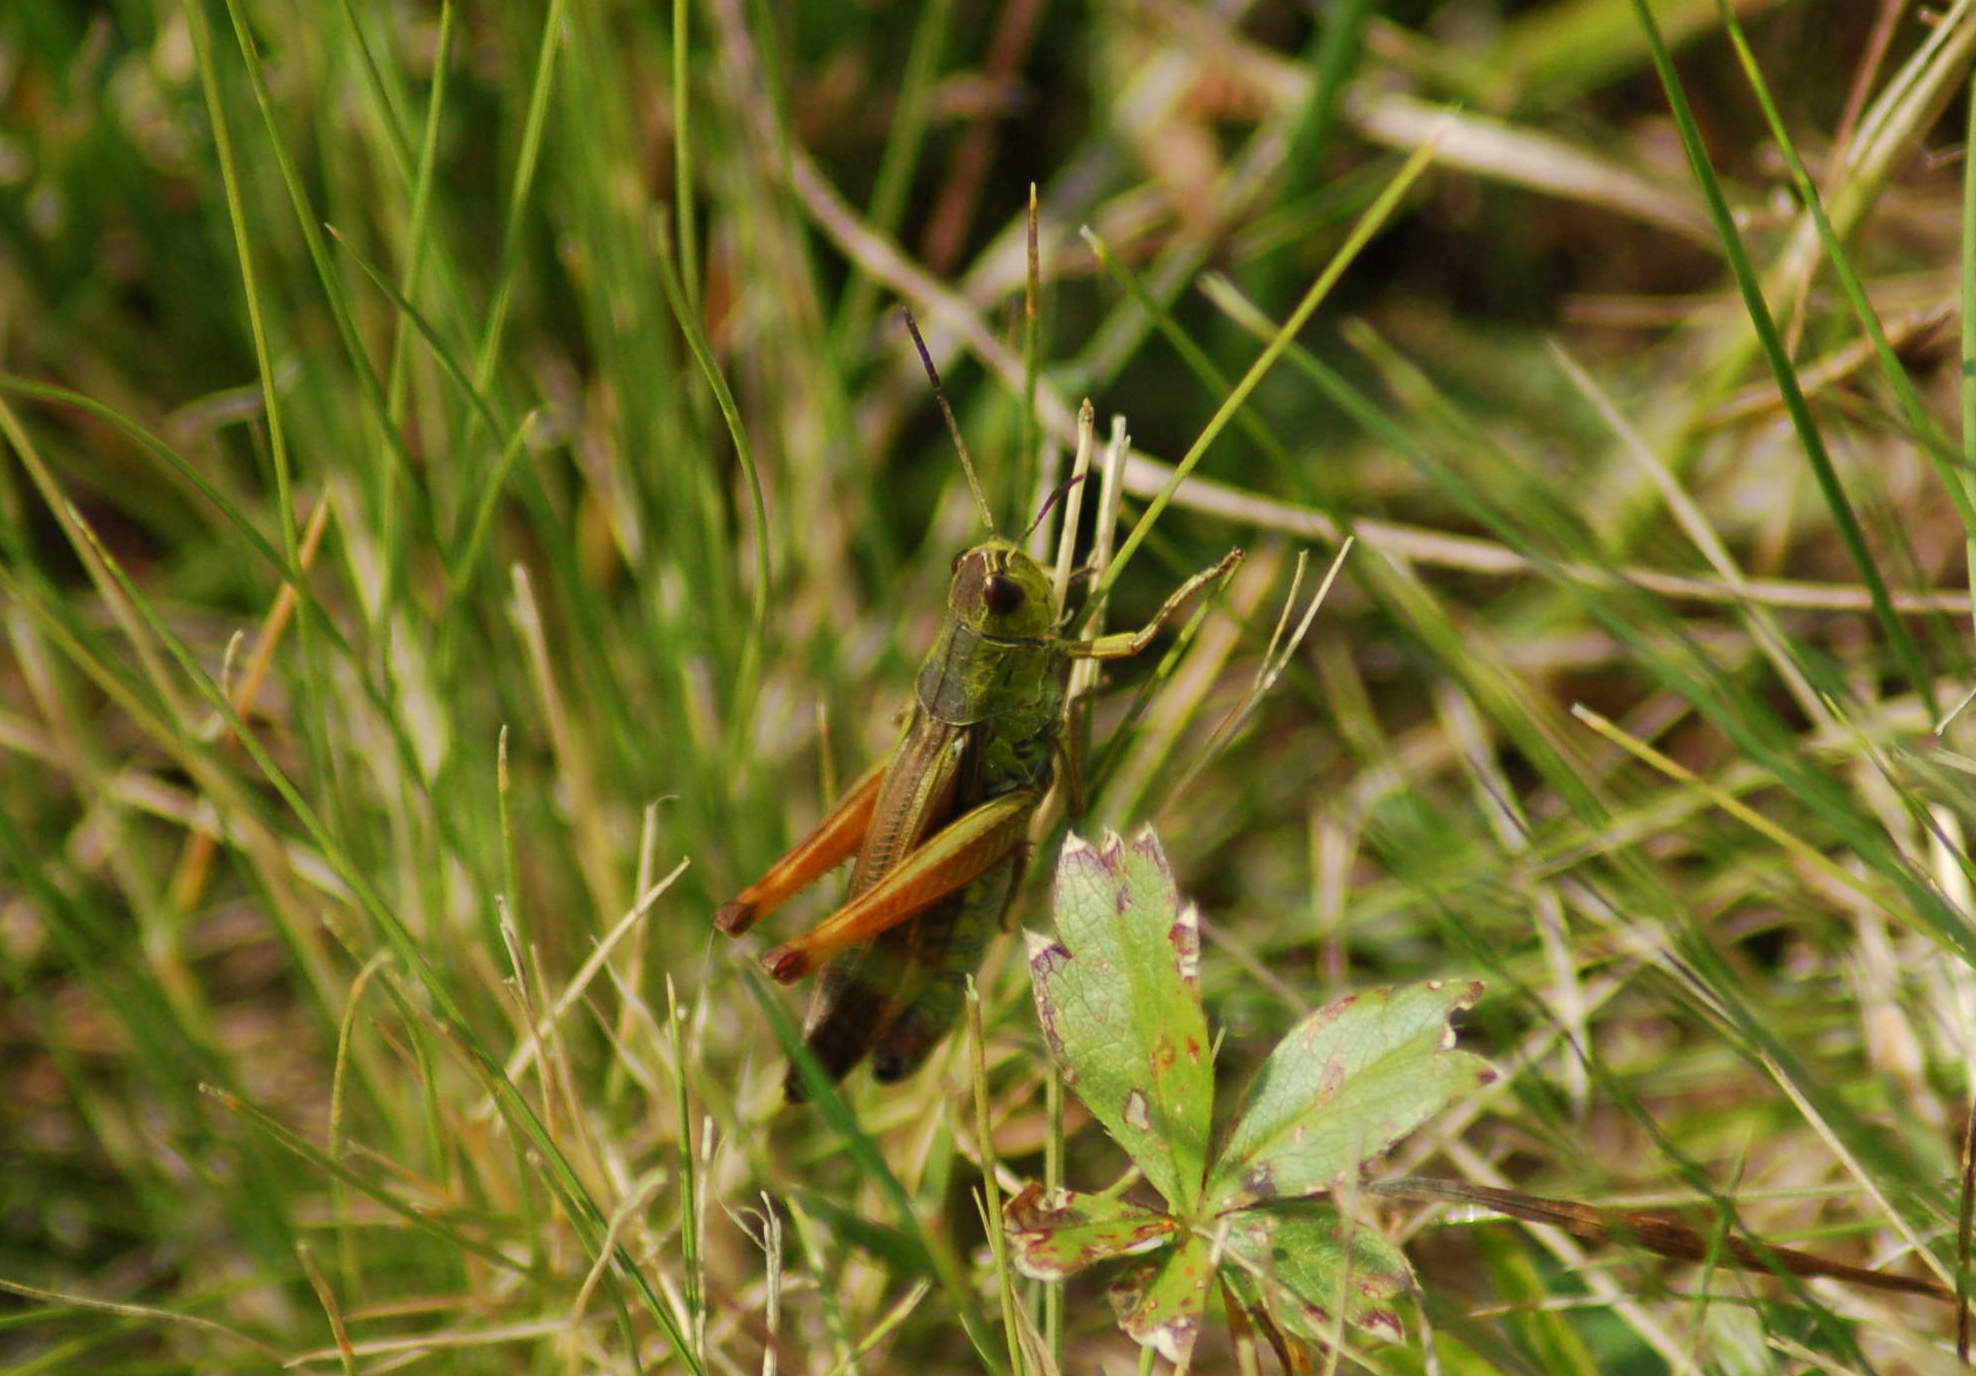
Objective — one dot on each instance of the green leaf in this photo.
(1159, 1302)
(1057, 1233)
(1119, 998)
(1342, 1086)
(1302, 1264)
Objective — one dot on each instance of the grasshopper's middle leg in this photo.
(959, 853)
(834, 841)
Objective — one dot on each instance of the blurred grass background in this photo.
(549, 352)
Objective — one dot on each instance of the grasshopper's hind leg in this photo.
(904, 1045)
(954, 857)
(834, 841)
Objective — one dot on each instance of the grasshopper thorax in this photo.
(1000, 593)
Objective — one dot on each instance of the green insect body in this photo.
(939, 830)
(990, 693)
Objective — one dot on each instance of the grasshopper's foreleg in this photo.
(834, 841)
(956, 855)
(1125, 644)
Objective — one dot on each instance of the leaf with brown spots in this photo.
(1119, 998)
(1057, 1233)
(1303, 1265)
(1159, 1302)
(1341, 1087)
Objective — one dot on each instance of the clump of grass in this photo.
(459, 473)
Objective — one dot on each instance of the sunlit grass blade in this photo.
(1781, 366)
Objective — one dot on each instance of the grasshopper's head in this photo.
(999, 591)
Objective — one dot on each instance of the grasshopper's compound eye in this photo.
(1003, 595)
(955, 567)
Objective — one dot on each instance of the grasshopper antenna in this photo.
(953, 426)
(1056, 495)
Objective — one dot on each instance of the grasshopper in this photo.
(939, 828)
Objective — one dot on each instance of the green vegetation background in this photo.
(550, 348)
